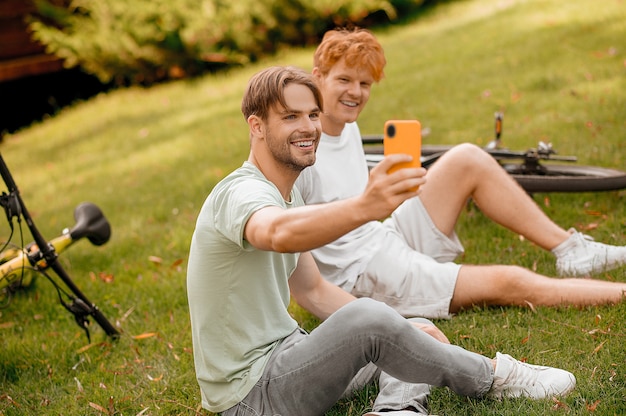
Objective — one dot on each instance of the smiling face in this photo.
(345, 90)
(346, 64)
(292, 133)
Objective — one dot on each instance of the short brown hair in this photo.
(266, 89)
(357, 46)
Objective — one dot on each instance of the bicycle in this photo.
(19, 265)
(528, 167)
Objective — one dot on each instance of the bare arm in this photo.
(311, 291)
(322, 298)
(305, 228)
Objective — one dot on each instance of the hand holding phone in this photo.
(403, 136)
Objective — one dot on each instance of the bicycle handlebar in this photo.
(90, 223)
(80, 307)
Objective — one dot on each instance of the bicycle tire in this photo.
(569, 178)
(553, 178)
(556, 177)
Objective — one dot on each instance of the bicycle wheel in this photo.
(569, 178)
(550, 178)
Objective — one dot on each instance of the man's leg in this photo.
(307, 374)
(514, 285)
(312, 374)
(466, 171)
(420, 286)
(410, 282)
(395, 394)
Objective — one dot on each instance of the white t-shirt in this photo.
(340, 171)
(238, 295)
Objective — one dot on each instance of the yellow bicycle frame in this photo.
(16, 265)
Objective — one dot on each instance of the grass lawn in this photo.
(149, 157)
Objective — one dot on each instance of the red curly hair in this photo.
(357, 46)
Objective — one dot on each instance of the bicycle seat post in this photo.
(495, 143)
(498, 116)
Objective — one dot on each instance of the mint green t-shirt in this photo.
(238, 295)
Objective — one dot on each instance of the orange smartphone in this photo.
(403, 136)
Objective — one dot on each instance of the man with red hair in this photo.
(407, 261)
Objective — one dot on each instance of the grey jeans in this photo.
(308, 373)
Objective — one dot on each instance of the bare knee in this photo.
(466, 165)
(495, 285)
(468, 155)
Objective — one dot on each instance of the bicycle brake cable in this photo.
(78, 307)
(9, 296)
(4, 202)
(81, 311)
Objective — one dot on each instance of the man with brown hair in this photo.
(249, 253)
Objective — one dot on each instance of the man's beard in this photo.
(282, 153)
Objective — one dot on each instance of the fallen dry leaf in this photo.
(85, 348)
(559, 404)
(9, 399)
(591, 226)
(79, 386)
(106, 277)
(145, 335)
(599, 347)
(593, 406)
(98, 407)
(159, 378)
(531, 306)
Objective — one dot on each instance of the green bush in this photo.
(145, 41)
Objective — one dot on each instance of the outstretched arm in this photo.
(305, 228)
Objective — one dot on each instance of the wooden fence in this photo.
(20, 56)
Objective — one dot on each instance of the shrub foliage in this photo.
(144, 41)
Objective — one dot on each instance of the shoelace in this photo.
(525, 375)
(587, 237)
(584, 238)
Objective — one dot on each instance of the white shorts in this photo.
(413, 271)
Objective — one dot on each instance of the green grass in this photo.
(149, 157)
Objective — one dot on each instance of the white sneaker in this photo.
(513, 378)
(395, 413)
(579, 255)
